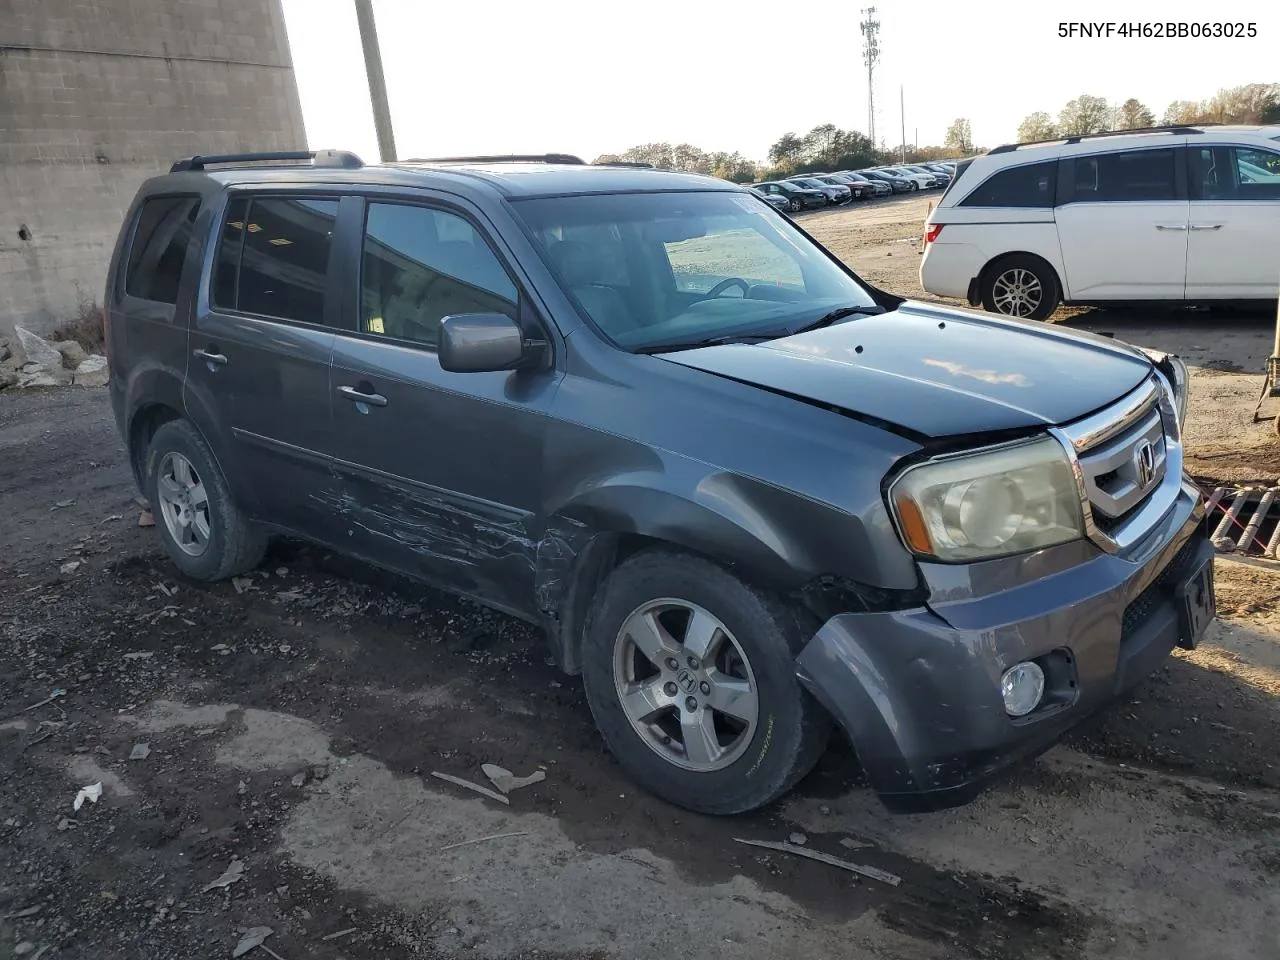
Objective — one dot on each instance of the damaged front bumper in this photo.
(918, 691)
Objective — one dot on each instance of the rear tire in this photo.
(205, 533)
(738, 731)
(794, 205)
(1020, 286)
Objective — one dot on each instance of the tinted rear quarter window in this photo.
(1032, 185)
(160, 241)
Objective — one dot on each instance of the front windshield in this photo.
(652, 269)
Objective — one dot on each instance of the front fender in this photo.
(771, 537)
(768, 536)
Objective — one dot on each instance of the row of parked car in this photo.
(810, 190)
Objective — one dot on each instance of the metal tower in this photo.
(870, 56)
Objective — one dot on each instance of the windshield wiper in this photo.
(709, 342)
(838, 314)
(825, 320)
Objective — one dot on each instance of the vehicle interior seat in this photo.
(582, 268)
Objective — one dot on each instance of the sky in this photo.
(514, 76)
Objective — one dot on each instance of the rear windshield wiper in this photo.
(709, 342)
(835, 316)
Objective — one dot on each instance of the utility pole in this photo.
(870, 28)
(377, 82)
(902, 112)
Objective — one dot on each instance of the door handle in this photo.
(1171, 226)
(355, 396)
(208, 356)
(1206, 226)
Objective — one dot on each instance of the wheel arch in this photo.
(990, 266)
(754, 531)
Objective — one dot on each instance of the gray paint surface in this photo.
(520, 487)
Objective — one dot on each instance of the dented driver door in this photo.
(437, 473)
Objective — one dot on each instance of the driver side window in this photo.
(730, 251)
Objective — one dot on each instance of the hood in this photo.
(938, 372)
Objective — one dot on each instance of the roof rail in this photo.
(624, 163)
(1178, 128)
(508, 158)
(319, 158)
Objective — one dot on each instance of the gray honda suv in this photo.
(749, 497)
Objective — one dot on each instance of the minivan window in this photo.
(273, 257)
(768, 278)
(1130, 176)
(421, 265)
(159, 247)
(1032, 185)
(1234, 173)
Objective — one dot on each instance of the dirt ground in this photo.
(291, 722)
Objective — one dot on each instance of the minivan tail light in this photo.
(106, 333)
(932, 231)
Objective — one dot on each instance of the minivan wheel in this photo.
(691, 678)
(1020, 286)
(204, 532)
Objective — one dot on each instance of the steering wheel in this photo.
(724, 285)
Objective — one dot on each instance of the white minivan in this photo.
(1187, 214)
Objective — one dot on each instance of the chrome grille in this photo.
(1129, 461)
(1120, 473)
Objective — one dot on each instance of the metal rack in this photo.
(342, 159)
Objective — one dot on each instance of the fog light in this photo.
(1022, 686)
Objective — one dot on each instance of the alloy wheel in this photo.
(1017, 292)
(685, 685)
(184, 504)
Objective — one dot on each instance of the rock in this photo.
(8, 376)
(72, 353)
(92, 372)
(5, 352)
(36, 350)
(27, 380)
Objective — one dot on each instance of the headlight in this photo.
(1175, 370)
(1180, 381)
(989, 504)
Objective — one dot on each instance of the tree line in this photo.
(1251, 103)
(828, 147)
(825, 147)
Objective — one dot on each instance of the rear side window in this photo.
(273, 257)
(1131, 176)
(1033, 185)
(164, 229)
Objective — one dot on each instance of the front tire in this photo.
(690, 676)
(204, 532)
(1020, 286)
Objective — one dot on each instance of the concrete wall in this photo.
(97, 95)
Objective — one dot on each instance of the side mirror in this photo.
(480, 343)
